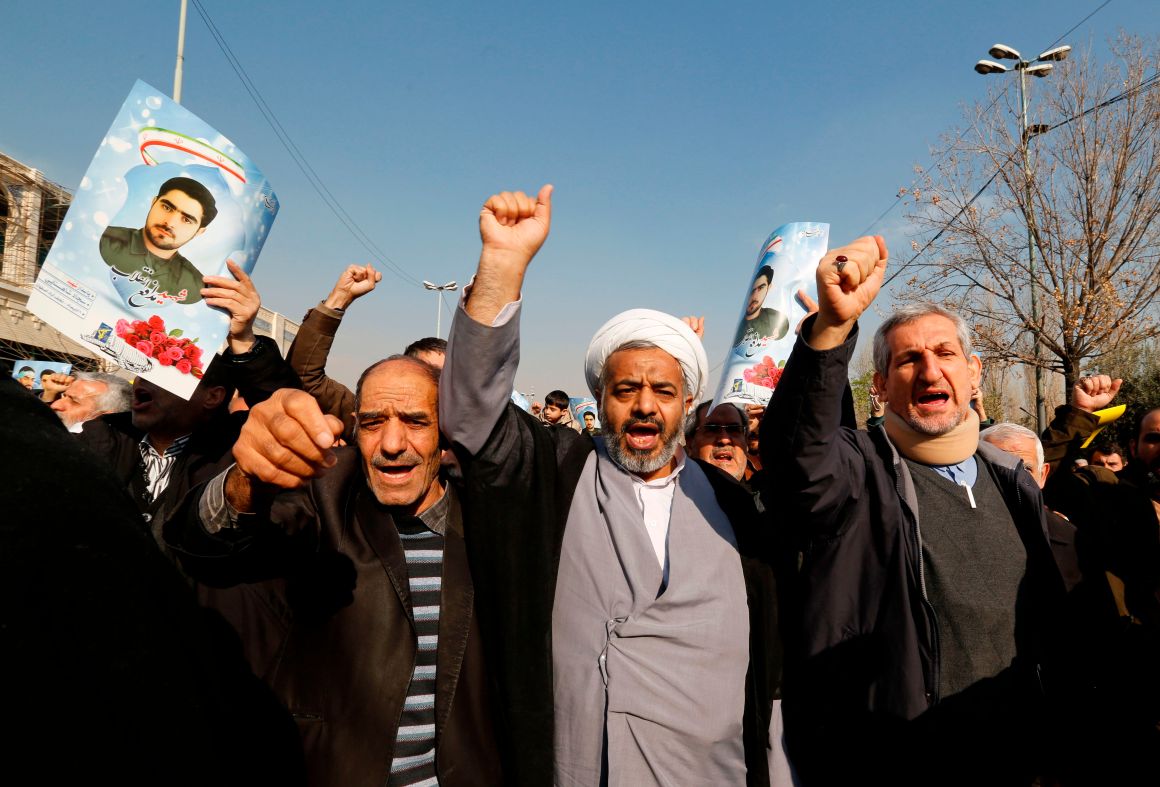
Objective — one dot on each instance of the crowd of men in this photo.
(281, 580)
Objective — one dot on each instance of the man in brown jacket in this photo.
(359, 555)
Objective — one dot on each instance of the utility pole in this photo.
(177, 71)
(1039, 67)
(439, 289)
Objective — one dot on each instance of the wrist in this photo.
(826, 334)
(243, 341)
(338, 300)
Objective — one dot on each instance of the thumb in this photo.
(335, 426)
(544, 204)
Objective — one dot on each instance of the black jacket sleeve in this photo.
(812, 466)
(258, 373)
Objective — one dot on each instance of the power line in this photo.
(307, 170)
(1003, 92)
(1150, 82)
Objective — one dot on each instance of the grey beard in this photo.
(632, 461)
(918, 426)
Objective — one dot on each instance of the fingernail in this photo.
(324, 439)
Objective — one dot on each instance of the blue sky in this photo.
(677, 134)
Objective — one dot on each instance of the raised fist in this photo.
(848, 281)
(1095, 392)
(286, 441)
(513, 226)
(355, 282)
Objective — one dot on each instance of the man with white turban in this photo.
(626, 594)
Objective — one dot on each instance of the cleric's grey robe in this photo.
(660, 677)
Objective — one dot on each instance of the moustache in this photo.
(380, 462)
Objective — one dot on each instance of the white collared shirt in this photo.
(656, 504)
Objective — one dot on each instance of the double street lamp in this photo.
(1039, 67)
(439, 289)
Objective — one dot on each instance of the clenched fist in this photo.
(285, 442)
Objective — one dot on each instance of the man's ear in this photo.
(214, 397)
(1044, 472)
(976, 367)
(880, 384)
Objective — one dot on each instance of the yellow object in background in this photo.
(1106, 416)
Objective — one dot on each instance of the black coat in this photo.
(333, 620)
(112, 674)
(862, 643)
(518, 491)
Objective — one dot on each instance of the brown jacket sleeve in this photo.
(307, 356)
(1065, 434)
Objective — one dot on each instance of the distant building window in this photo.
(51, 217)
(262, 326)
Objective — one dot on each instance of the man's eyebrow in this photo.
(368, 414)
(182, 212)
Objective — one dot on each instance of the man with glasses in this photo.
(719, 438)
(89, 395)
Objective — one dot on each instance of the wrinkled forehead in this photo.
(644, 363)
(725, 413)
(923, 333)
(86, 387)
(400, 385)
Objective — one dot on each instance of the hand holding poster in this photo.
(773, 312)
(165, 201)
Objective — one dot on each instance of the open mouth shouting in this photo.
(932, 401)
(721, 455)
(643, 436)
(142, 399)
(397, 472)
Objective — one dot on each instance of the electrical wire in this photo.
(1003, 92)
(296, 154)
(1148, 83)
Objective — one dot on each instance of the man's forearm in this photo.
(479, 374)
(494, 287)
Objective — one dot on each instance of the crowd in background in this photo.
(283, 580)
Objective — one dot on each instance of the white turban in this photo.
(663, 330)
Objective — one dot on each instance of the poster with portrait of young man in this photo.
(781, 292)
(166, 201)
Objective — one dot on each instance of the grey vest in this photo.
(975, 561)
(652, 686)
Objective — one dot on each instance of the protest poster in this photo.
(521, 401)
(30, 373)
(585, 408)
(772, 312)
(165, 200)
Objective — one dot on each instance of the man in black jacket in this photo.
(165, 445)
(927, 582)
(627, 599)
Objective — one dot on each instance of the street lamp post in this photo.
(439, 289)
(1039, 67)
(179, 68)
